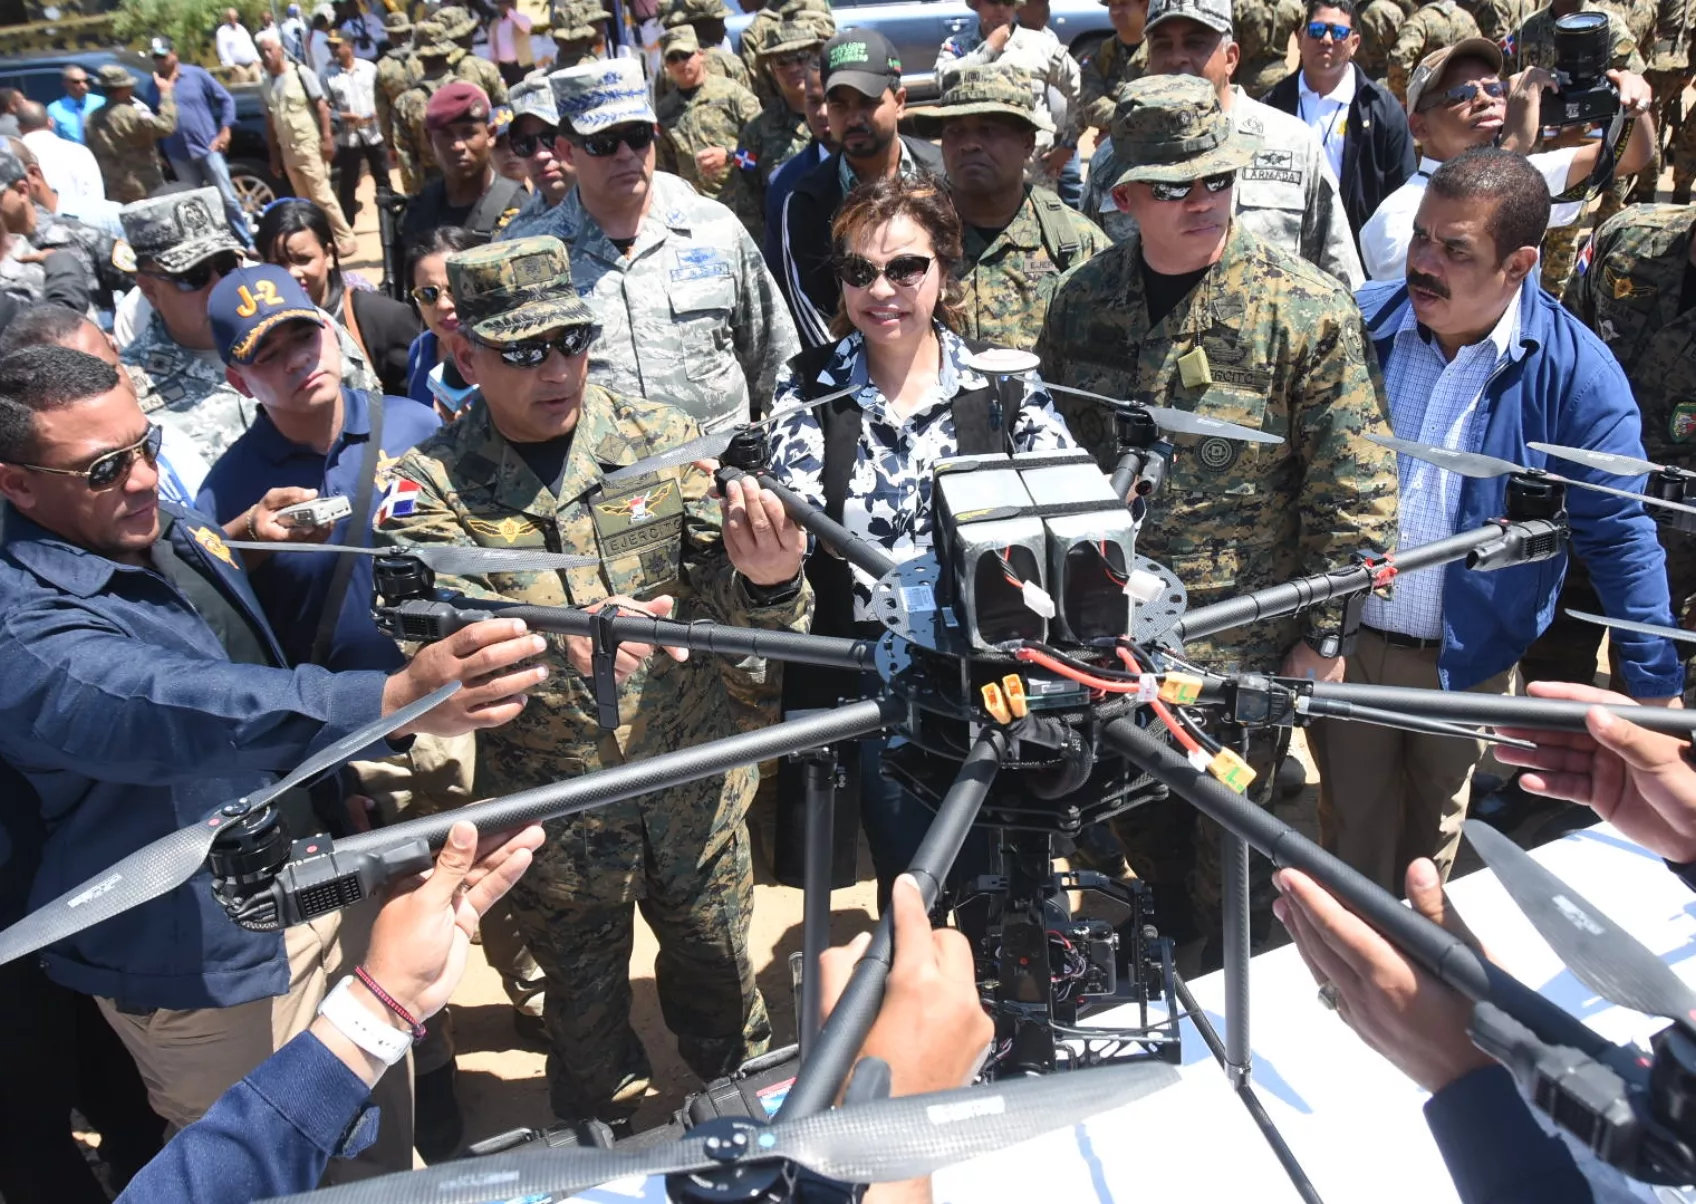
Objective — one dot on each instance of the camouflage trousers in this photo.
(1668, 87)
(597, 1066)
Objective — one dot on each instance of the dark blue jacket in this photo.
(120, 706)
(204, 107)
(293, 586)
(272, 1134)
(1566, 389)
(420, 358)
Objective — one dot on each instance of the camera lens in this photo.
(1582, 50)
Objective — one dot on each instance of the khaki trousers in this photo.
(1387, 797)
(309, 175)
(188, 1059)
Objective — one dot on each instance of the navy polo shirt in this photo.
(292, 586)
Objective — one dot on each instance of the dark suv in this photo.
(37, 77)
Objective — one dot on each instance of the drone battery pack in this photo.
(1091, 547)
(995, 553)
(756, 1091)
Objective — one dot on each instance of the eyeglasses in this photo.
(1318, 29)
(533, 353)
(637, 137)
(904, 271)
(429, 294)
(113, 468)
(193, 279)
(1176, 192)
(1461, 94)
(525, 146)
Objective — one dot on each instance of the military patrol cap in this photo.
(397, 22)
(1215, 14)
(861, 59)
(533, 96)
(249, 303)
(1428, 76)
(432, 41)
(12, 168)
(115, 75)
(179, 230)
(680, 40)
(990, 89)
(456, 22)
(792, 35)
(593, 96)
(507, 292)
(1170, 129)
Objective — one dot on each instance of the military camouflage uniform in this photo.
(1668, 56)
(681, 855)
(713, 115)
(417, 162)
(762, 29)
(397, 71)
(720, 61)
(576, 36)
(1439, 24)
(1263, 340)
(1286, 196)
(1379, 23)
(1045, 64)
(1114, 64)
(1498, 18)
(1629, 289)
(458, 25)
(1263, 29)
(122, 137)
(769, 141)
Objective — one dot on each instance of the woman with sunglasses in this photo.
(295, 234)
(897, 251)
(427, 276)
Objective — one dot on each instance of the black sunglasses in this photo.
(637, 137)
(904, 271)
(1176, 192)
(113, 467)
(1318, 29)
(533, 353)
(429, 294)
(792, 58)
(1460, 94)
(525, 146)
(193, 279)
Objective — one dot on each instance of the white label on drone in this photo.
(1577, 916)
(1143, 586)
(1148, 687)
(1036, 599)
(95, 891)
(947, 1114)
(918, 597)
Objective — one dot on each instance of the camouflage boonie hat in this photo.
(1170, 129)
(115, 75)
(792, 35)
(681, 40)
(681, 12)
(507, 292)
(1215, 14)
(533, 96)
(432, 41)
(990, 89)
(397, 22)
(179, 230)
(456, 22)
(574, 20)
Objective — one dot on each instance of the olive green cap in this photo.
(508, 292)
(1170, 129)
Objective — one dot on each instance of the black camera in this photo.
(1583, 50)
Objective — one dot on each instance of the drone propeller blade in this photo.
(879, 1142)
(711, 446)
(1625, 466)
(1600, 954)
(1666, 633)
(1466, 464)
(1177, 422)
(443, 558)
(170, 861)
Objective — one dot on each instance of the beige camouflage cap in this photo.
(178, 230)
(432, 40)
(397, 22)
(115, 75)
(990, 89)
(681, 12)
(679, 40)
(791, 36)
(456, 22)
(1170, 129)
(508, 292)
(574, 20)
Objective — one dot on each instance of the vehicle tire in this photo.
(256, 186)
(1085, 47)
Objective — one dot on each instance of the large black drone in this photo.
(1034, 663)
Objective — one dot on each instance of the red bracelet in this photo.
(388, 1001)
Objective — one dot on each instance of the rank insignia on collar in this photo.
(207, 538)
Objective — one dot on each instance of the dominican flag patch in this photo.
(746, 159)
(1586, 255)
(399, 500)
(1510, 45)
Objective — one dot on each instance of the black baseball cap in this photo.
(864, 60)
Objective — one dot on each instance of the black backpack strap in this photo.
(485, 216)
(1059, 238)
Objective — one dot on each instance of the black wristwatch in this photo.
(774, 595)
(1329, 645)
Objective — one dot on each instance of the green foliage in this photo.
(191, 24)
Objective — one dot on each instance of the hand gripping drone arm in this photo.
(861, 553)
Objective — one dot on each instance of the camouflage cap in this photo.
(681, 12)
(397, 22)
(179, 230)
(593, 96)
(1170, 129)
(115, 75)
(791, 36)
(996, 88)
(679, 40)
(533, 96)
(1215, 14)
(12, 167)
(574, 20)
(456, 22)
(432, 40)
(507, 292)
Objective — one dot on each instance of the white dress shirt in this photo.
(1328, 116)
(235, 46)
(353, 92)
(1434, 400)
(69, 168)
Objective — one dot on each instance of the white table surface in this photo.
(1354, 1123)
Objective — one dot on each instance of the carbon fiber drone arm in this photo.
(861, 553)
